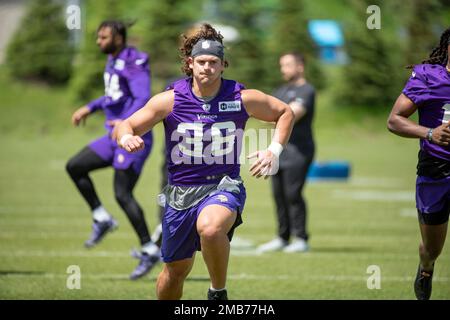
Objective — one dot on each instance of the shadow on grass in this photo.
(20, 272)
(153, 279)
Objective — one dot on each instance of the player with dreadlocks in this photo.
(428, 91)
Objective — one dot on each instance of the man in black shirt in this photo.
(295, 160)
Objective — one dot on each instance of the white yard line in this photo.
(384, 182)
(372, 257)
(408, 212)
(375, 195)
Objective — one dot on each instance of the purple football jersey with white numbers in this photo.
(204, 139)
(429, 88)
(127, 85)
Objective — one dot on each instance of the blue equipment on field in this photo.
(329, 170)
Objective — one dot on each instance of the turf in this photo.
(368, 220)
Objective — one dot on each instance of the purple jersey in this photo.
(429, 88)
(204, 139)
(127, 85)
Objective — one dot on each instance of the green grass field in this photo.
(368, 220)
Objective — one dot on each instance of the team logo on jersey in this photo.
(222, 198)
(120, 158)
(139, 61)
(229, 106)
(119, 65)
(291, 94)
(205, 44)
(206, 107)
(299, 100)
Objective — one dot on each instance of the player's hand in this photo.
(266, 164)
(80, 116)
(441, 135)
(133, 144)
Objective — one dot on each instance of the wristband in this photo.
(430, 135)
(124, 138)
(275, 148)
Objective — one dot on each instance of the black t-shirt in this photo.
(301, 140)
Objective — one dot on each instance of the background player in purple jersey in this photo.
(428, 91)
(204, 117)
(127, 89)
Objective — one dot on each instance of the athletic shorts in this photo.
(180, 239)
(107, 149)
(433, 199)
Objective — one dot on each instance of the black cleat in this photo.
(217, 295)
(422, 284)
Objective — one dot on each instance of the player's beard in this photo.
(290, 77)
(109, 49)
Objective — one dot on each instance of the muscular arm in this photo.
(298, 109)
(267, 108)
(400, 124)
(143, 120)
(270, 109)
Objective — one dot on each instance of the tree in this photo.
(421, 22)
(371, 78)
(248, 53)
(165, 21)
(291, 34)
(40, 48)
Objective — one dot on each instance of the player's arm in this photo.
(138, 81)
(298, 109)
(400, 124)
(80, 115)
(128, 132)
(268, 108)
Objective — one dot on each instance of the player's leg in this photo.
(169, 285)
(433, 239)
(79, 167)
(433, 207)
(124, 183)
(284, 229)
(433, 229)
(213, 224)
(294, 181)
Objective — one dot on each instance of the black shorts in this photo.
(434, 218)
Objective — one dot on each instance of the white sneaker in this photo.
(297, 245)
(273, 245)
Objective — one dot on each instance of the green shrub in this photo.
(40, 49)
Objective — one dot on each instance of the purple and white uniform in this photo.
(429, 88)
(203, 144)
(127, 89)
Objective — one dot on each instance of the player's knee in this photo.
(176, 274)
(293, 198)
(123, 196)
(431, 253)
(73, 168)
(209, 232)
